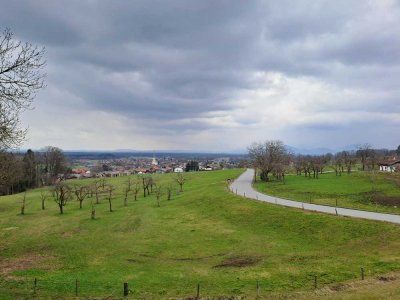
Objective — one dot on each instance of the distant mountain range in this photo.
(118, 153)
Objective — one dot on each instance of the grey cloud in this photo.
(191, 58)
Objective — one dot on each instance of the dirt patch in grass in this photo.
(388, 201)
(238, 262)
(379, 198)
(339, 287)
(71, 232)
(198, 258)
(386, 278)
(26, 262)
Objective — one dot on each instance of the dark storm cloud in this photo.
(164, 61)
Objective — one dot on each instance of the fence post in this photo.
(198, 291)
(315, 281)
(34, 285)
(258, 288)
(362, 273)
(76, 287)
(126, 289)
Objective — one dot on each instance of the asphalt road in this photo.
(242, 186)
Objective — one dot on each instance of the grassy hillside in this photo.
(204, 235)
(373, 191)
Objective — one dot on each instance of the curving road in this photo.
(243, 186)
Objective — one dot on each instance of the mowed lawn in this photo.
(204, 235)
(373, 191)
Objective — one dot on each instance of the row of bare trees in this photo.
(273, 158)
(62, 192)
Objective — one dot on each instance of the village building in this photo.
(392, 165)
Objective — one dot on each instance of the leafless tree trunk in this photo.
(110, 190)
(180, 179)
(81, 193)
(169, 188)
(158, 192)
(93, 212)
(136, 189)
(61, 195)
(44, 194)
(23, 203)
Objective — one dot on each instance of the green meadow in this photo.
(204, 235)
(372, 191)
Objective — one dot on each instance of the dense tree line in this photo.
(19, 172)
(271, 158)
(192, 165)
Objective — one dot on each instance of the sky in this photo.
(212, 75)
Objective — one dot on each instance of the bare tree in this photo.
(54, 162)
(169, 188)
(20, 79)
(180, 179)
(81, 193)
(144, 185)
(127, 189)
(110, 190)
(23, 204)
(150, 184)
(61, 195)
(349, 160)
(267, 156)
(136, 188)
(146, 181)
(159, 191)
(93, 211)
(337, 164)
(99, 188)
(44, 195)
(363, 152)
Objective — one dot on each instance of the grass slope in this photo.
(205, 235)
(376, 191)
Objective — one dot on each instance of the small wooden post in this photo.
(336, 211)
(336, 202)
(34, 285)
(315, 281)
(258, 288)
(93, 214)
(76, 287)
(362, 273)
(126, 289)
(198, 291)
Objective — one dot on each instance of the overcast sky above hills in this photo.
(212, 75)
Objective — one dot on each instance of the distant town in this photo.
(91, 165)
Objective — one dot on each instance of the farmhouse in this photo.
(392, 165)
